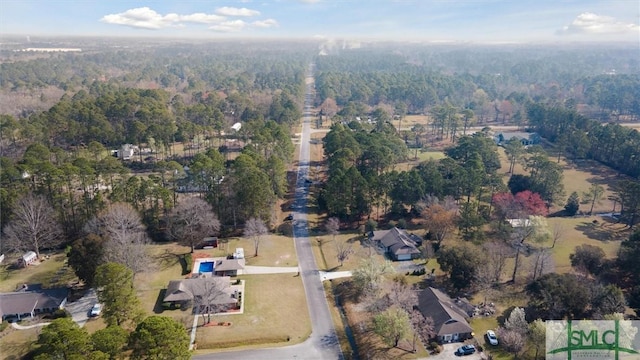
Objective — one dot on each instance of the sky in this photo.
(414, 20)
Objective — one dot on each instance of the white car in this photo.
(95, 310)
(491, 336)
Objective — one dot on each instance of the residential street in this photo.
(323, 342)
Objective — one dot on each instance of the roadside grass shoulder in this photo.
(325, 251)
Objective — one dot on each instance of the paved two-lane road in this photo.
(323, 342)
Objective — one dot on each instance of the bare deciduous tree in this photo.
(402, 295)
(536, 229)
(332, 226)
(191, 221)
(511, 340)
(542, 263)
(426, 251)
(125, 236)
(556, 234)
(343, 251)
(422, 327)
(497, 254)
(255, 229)
(369, 275)
(210, 296)
(33, 227)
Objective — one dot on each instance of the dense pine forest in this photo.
(160, 94)
(168, 135)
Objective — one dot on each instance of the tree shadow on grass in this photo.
(166, 259)
(595, 231)
(157, 307)
(185, 262)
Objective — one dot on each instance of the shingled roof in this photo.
(31, 300)
(188, 289)
(229, 264)
(447, 317)
(398, 241)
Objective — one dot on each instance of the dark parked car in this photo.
(289, 217)
(466, 350)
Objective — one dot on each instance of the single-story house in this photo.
(28, 258)
(228, 267)
(30, 301)
(449, 318)
(206, 293)
(525, 138)
(399, 244)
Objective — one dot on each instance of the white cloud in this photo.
(268, 23)
(146, 18)
(590, 23)
(203, 18)
(310, 1)
(143, 17)
(232, 11)
(229, 26)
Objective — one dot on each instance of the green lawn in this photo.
(578, 177)
(422, 156)
(275, 314)
(579, 231)
(51, 272)
(325, 251)
(14, 344)
(274, 250)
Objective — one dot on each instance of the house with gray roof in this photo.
(207, 293)
(30, 301)
(399, 244)
(449, 317)
(228, 267)
(525, 138)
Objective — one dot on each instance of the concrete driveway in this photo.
(79, 309)
(448, 353)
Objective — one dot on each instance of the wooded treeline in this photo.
(611, 144)
(494, 82)
(63, 153)
(155, 96)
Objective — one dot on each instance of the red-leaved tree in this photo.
(523, 204)
(532, 203)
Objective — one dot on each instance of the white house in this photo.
(518, 223)
(127, 151)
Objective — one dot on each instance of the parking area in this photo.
(448, 353)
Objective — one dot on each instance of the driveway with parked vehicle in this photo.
(449, 353)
